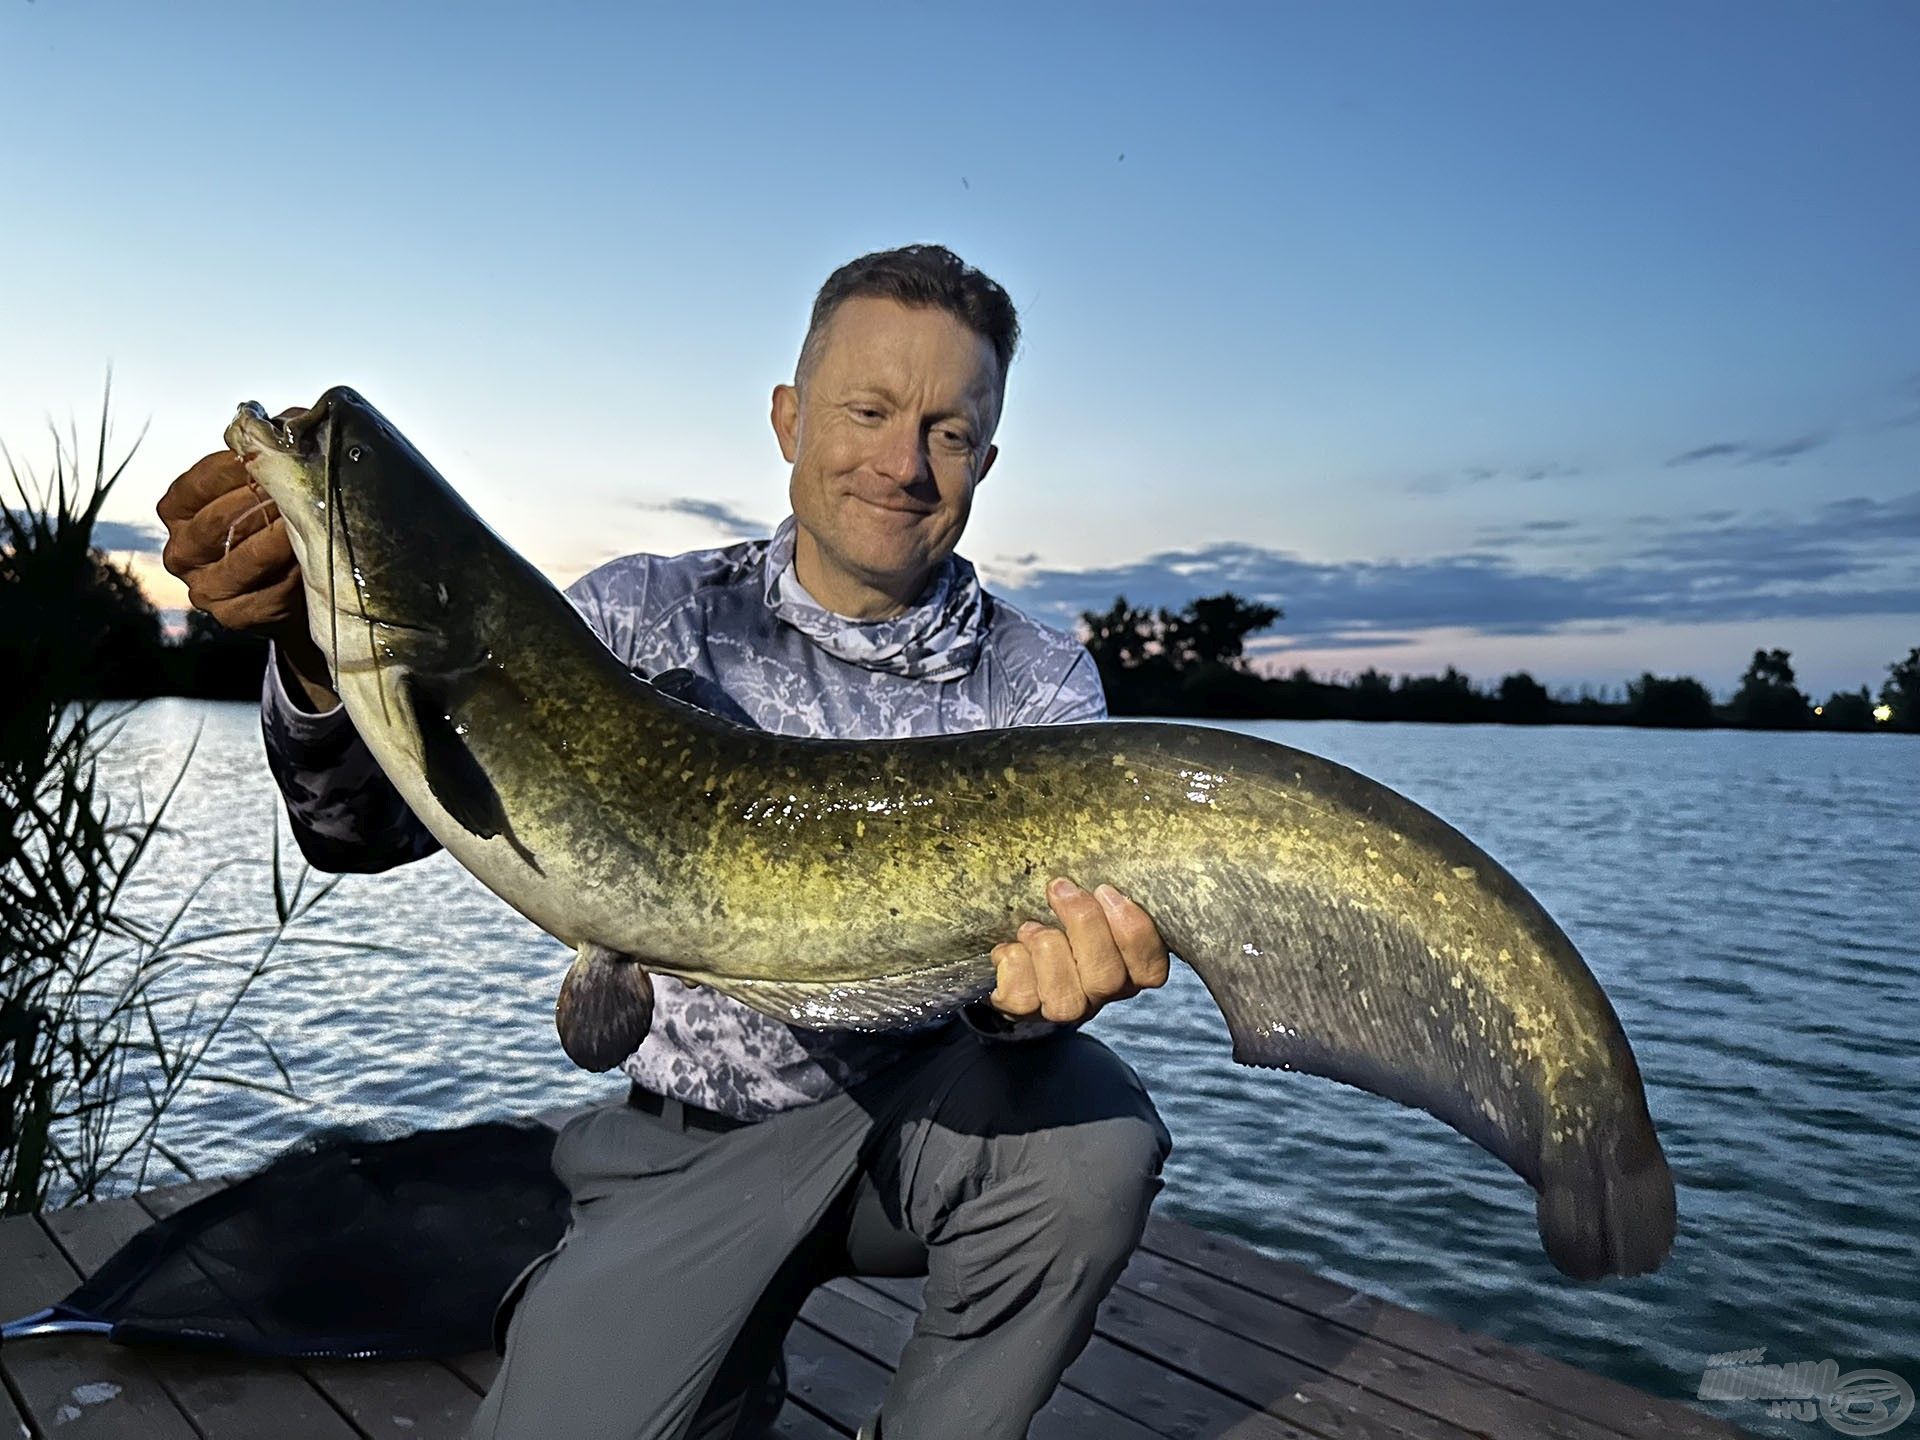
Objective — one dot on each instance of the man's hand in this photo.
(227, 541)
(1107, 949)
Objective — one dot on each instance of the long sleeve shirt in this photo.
(732, 630)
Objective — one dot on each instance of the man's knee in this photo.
(1100, 1180)
(1068, 1135)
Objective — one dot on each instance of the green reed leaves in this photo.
(107, 1012)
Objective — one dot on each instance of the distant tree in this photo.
(1213, 629)
(1186, 662)
(1768, 698)
(1448, 698)
(1681, 702)
(89, 616)
(1120, 637)
(1372, 697)
(1524, 700)
(1902, 691)
(215, 663)
(1846, 710)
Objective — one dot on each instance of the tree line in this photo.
(1190, 662)
(1193, 662)
(119, 648)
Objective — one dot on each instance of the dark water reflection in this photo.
(1751, 902)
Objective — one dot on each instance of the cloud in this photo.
(1851, 557)
(118, 535)
(715, 512)
(1746, 452)
(1450, 480)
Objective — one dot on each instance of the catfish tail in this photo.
(1320, 965)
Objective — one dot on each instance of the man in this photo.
(1010, 1161)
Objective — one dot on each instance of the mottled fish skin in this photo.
(1343, 930)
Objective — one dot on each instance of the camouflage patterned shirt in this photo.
(732, 630)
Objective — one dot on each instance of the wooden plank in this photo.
(397, 1398)
(877, 1326)
(1285, 1395)
(423, 1399)
(223, 1395)
(797, 1423)
(833, 1380)
(12, 1422)
(1613, 1406)
(1166, 1401)
(1325, 1371)
(836, 1381)
(75, 1385)
(476, 1370)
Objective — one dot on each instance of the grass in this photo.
(106, 1016)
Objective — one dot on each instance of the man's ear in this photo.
(786, 420)
(993, 454)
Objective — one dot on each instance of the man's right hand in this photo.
(229, 544)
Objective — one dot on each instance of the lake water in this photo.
(1750, 901)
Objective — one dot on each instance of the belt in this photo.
(682, 1115)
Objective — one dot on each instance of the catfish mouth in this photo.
(302, 435)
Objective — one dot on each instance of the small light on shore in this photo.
(1819, 709)
(1883, 713)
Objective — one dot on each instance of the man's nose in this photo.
(903, 454)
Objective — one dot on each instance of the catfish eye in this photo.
(353, 452)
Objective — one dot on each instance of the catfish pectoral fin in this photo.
(605, 1007)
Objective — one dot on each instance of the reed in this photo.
(107, 1015)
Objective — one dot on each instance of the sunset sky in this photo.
(1577, 338)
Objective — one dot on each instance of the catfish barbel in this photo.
(1342, 930)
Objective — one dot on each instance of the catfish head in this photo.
(386, 546)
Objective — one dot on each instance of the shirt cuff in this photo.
(293, 720)
(989, 1024)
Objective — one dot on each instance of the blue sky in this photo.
(1579, 338)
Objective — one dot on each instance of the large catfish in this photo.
(1342, 930)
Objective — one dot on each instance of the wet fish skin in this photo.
(1343, 930)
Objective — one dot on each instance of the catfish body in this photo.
(1342, 930)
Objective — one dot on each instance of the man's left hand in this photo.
(1106, 948)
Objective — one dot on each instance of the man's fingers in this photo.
(1015, 992)
(1102, 973)
(1137, 938)
(1061, 997)
(201, 539)
(206, 479)
(262, 559)
(274, 607)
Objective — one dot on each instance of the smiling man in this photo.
(1008, 1159)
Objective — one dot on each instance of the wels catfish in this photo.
(1342, 930)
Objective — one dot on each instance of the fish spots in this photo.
(1464, 872)
(1440, 898)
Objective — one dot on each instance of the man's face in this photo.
(888, 436)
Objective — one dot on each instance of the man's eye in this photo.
(865, 412)
(954, 439)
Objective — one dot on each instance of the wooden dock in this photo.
(1202, 1339)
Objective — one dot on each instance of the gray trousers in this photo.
(1017, 1175)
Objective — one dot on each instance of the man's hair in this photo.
(923, 276)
